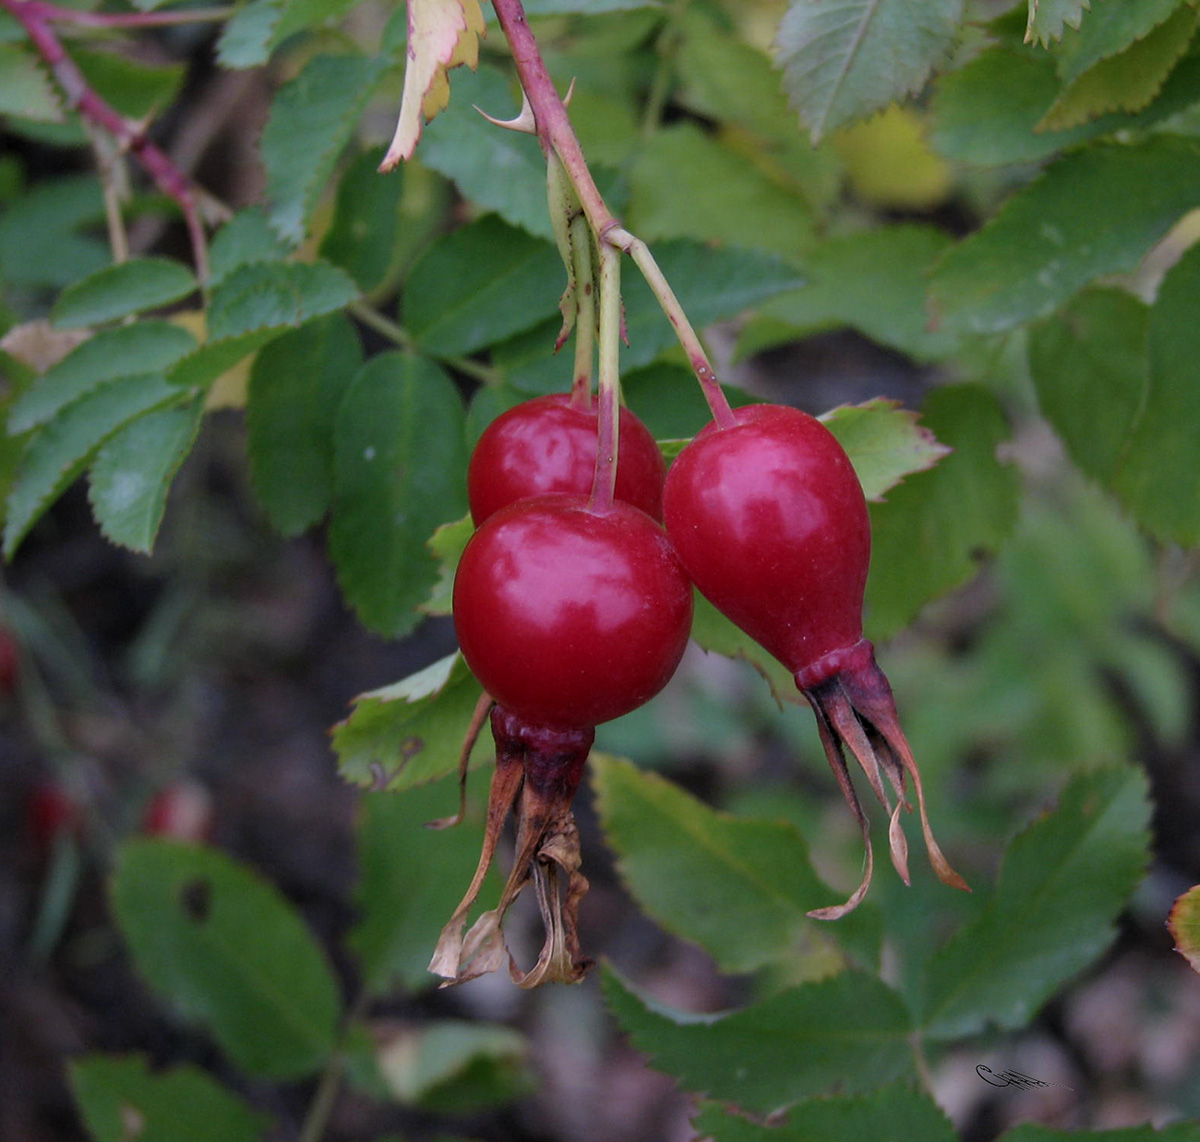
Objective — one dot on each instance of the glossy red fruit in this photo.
(570, 617)
(548, 444)
(770, 522)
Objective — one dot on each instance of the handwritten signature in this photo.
(1011, 1078)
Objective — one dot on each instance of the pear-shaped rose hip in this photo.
(771, 525)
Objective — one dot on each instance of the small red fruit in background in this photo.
(769, 519)
(548, 444)
(51, 812)
(10, 661)
(182, 811)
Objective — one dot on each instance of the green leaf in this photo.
(133, 471)
(183, 1104)
(411, 878)
(127, 350)
(246, 238)
(480, 284)
(41, 244)
(846, 59)
(873, 281)
(269, 295)
(63, 448)
(1158, 477)
(135, 88)
(251, 35)
(1062, 884)
(366, 222)
(25, 87)
(466, 148)
(884, 442)
(1048, 17)
(1110, 31)
(897, 1113)
(321, 106)
(712, 631)
(447, 544)
(296, 384)
(670, 402)
(1089, 366)
(409, 732)
(123, 289)
(1096, 211)
(1031, 1132)
(230, 953)
(400, 472)
(686, 184)
(929, 534)
(738, 888)
(1184, 925)
(1129, 80)
(200, 368)
(849, 1032)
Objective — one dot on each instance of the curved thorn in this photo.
(524, 122)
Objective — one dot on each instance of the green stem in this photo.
(608, 429)
(585, 313)
(400, 337)
(330, 1082)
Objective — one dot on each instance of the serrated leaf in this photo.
(685, 184)
(928, 535)
(447, 545)
(410, 881)
(42, 243)
(1095, 212)
(269, 295)
(134, 87)
(121, 290)
(1176, 1132)
(251, 34)
(297, 383)
(229, 952)
(1129, 80)
(1184, 925)
(1047, 19)
(409, 732)
(25, 88)
(127, 350)
(400, 472)
(873, 281)
(469, 150)
(322, 105)
(884, 442)
(65, 445)
(846, 59)
(850, 1031)
(183, 1104)
(366, 222)
(442, 34)
(738, 888)
(1109, 30)
(480, 284)
(1060, 888)
(246, 238)
(214, 359)
(133, 470)
(897, 1113)
(1158, 477)
(1089, 366)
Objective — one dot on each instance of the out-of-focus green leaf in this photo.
(411, 731)
(1088, 363)
(897, 1113)
(121, 290)
(1095, 212)
(846, 59)
(276, 294)
(127, 350)
(296, 385)
(132, 473)
(480, 284)
(41, 243)
(447, 544)
(739, 888)
(1110, 30)
(25, 87)
(1032, 1132)
(1184, 924)
(64, 446)
(1062, 884)
(366, 222)
(685, 184)
(928, 535)
(321, 106)
(1047, 18)
(412, 877)
(229, 952)
(400, 462)
(246, 238)
(466, 148)
(135, 88)
(1158, 477)
(849, 1032)
(183, 1104)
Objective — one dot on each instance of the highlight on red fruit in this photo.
(182, 811)
(548, 444)
(770, 522)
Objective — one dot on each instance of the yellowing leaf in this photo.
(441, 34)
(890, 164)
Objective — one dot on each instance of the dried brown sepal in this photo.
(474, 729)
